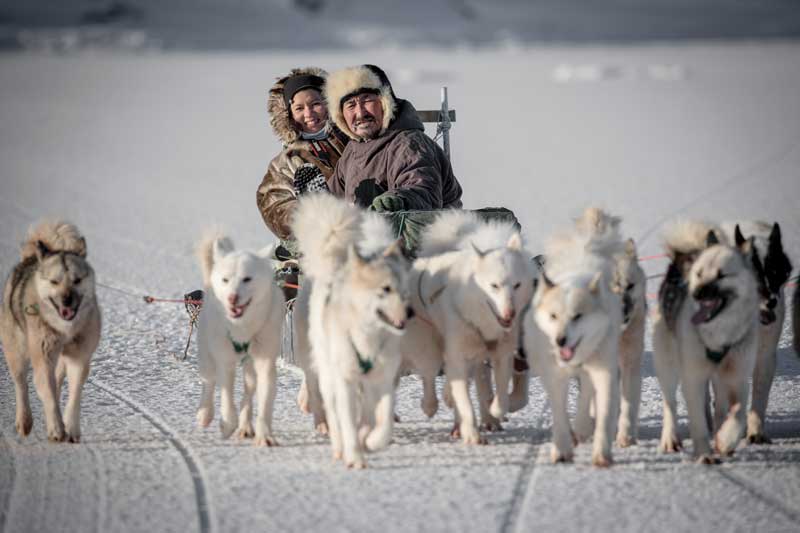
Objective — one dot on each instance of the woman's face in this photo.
(309, 110)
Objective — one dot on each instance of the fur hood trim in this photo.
(279, 117)
(350, 80)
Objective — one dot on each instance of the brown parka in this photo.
(403, 160)
(275, 196)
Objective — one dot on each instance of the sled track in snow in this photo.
(205, 515)
(757, 493)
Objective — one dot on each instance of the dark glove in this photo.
(388, 202)
(308, 178)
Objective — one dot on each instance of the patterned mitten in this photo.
(308, 178)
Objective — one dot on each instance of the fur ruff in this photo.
(279, 116)
(58, 236)
(347, 81)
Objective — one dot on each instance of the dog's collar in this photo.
(365, 364)
(717, 356)
(241, 348)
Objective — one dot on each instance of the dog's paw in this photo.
(322, 427)
(429, 407)
(227, 428)
(455, 433)
(492, 425)
(600, 460)
(472, 437)
(758, 438)
(357, 464)
(624, 441)
(265, 441)
(73, 438)
(558, 456)
(24, 424)
(707, 459)
(670, 445)
(56, 434)
(245, 432)
(204, 417)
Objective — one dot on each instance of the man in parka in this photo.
(392, 165)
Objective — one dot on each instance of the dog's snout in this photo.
(233, 298)
(561, 341)
(68, 300)
(510, 314)
(706, 292)
(410, 313)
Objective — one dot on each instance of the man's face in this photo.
(363, 114)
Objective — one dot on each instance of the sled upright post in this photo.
(444, 123)
(443, 118)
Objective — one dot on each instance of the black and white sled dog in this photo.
(706, 332)
(358, 311)
(772, 268)
(240, 324)
(573, 330)
(469, 284)
(51, 320)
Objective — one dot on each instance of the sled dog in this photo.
(772, 268)
(468, 285)
(573, 330)
(240, 324)
(51, 321)
(358, 311)
(706, 331)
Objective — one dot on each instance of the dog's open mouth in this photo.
(400, 325)
(505, 323)
(568, 352)
(709, 309)
(236, 311)
(67, 312)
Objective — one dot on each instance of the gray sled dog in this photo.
(240, 324)
(51, 321)
(706, 332)
(573, 330)
(468, 286)
(358, 312)
(772, 268)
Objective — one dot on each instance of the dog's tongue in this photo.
(236, 312)
(705, 312)
(566, 353)
(67, 313)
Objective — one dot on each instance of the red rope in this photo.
(649, 257)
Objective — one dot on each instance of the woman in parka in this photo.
(299, 116)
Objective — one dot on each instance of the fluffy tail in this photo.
(448, 232)
(689, 236)
(205, 251)
(595, 233)
(324, 227)
(56, 236)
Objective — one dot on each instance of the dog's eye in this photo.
(224, 280)
(553, 316)
(630, 287)
(721, 275)
(77, 281)
(248, 279)
(517, 285)
(495, 286)
(577, 317)
(387, 289)
(53, 282)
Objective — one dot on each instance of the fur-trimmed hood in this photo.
(351, 80)
(279, 117)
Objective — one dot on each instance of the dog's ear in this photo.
(514, 242)
(630, 248)
(546, 283)
(747, 248)
(711, 239)
(738, 237)
(775, 245)
(594, 285)
(222, 247)
(477, 250)
(42, 251)
(353, 257)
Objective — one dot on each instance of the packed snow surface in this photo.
(145, 151)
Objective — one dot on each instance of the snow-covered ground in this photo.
(144, 151)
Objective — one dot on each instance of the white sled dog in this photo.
(358, 311)
(772, 268)
(240, 324)
(51, 320)
(468, 286)
(573, 330)
(706, 331)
